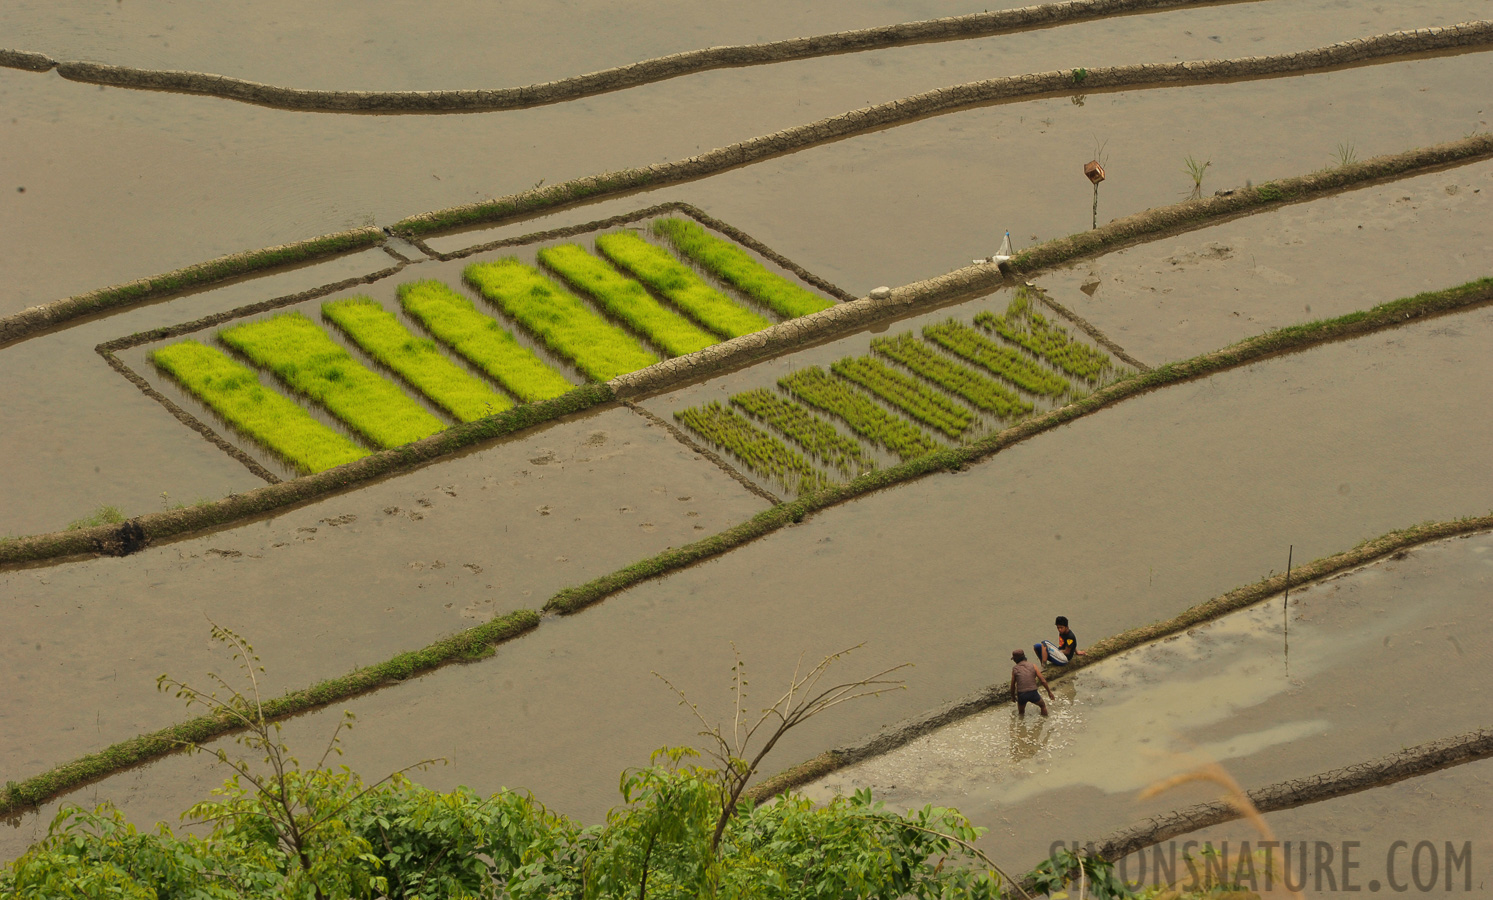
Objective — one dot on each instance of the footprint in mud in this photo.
(596, 439)
(394, 511)
(648, 527)
(425, 503)
(340, 520)
(223, 554)
(542, 510)
(473, 568)
(543, 459)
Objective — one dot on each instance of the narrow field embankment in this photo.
(648, 71)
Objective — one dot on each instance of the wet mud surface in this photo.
(1267, 705)
(347, 581)
(1126, 516)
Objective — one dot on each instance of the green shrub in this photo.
(815, 387)
(414, 359)
(760, 451)
(737, 268)
(822, 440)
(919, 401)
(979, 390)
(1001, 361)
(1024, 326)
(657, 268)
(481, 340)
(559, 319)
(626, 300)
(310, 362)
(233, 391)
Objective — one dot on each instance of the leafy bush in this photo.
(980, 391)
(737, 268)
(1004, 362)
(626, 299)
(919, 401)
(822, 440)
(1024, 326)
(655, 267)
(760, 451)
(815, 387)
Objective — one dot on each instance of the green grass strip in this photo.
(815, 387)
(233, 391)
(626, 300)
(481, 340)
(760, 451)
(1004, 362)
(822, 440)
(1025, 326)
(979, 390)
(657, 268)
(559, 319)
(737, 268)
(904, 392)
(415, 359)
(309, 361)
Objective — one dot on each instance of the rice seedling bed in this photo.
(306, 359)
(233, 391)
(678, 283)
(761, 452)
(815, 387)
(379, 333)
(737, 268)
(822, 440)
(980, 391)
(625, 299)
(559, 319)
(481, 340)
(920, 402)
(1004, 362)
(1030, 329)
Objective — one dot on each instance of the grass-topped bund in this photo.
(819, 438)
(760, 451)
(919, 401)
(559, 319)
(310, 362)
(626, 300)
(737, 268)
(233, 391)
(815, 387)
(1004, 362)
(1025, 326)
(978, 390)
(481, 340)
(678, 283)
(415, 359)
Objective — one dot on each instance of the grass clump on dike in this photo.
(1025, 326)
(415, 359)
(919, 401)
(737, 268)
(762, 453)
(233, 391)
(310, 362)
(822, 440)
(1004, 362)
(626, 300)
(559, 319)
(678, 283)
(481, 340)
(982, 392)
(815, 387)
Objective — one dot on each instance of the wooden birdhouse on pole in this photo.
(1094, 171)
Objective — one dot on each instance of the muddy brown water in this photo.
(1268, 706)
(1123, 517)
(121, 184)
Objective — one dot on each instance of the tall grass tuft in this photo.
(921, 402)
(678, 283)
(762, 453)
(737, 268)
(999, 360)
(104, 515)
(822, 440)
(980, 391)
(815, 387)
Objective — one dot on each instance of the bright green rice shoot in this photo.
(559, 319)
(678, 283)
(1002, 361)
(932, 408)
(415, 359)
(481, 340)
(984, 393)
(1025, 326)
(310, 362)
(626, 300)
(822, 440)
(815, 387)
(760, 451)
(737, 268)
(233, 391)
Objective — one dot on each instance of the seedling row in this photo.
(761, 452)
(1030, 329)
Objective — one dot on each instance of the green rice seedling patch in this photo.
(737, 268)
(760, 451)
(904, 392)
(982, 392)
(677, 282)
(1002, 361)
(233, 391)
(559, 319)
(626, 299)
(815, 387)
(1025, 326)
(415, 359)
(822, 440)
(310, 362)
(481, 340)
